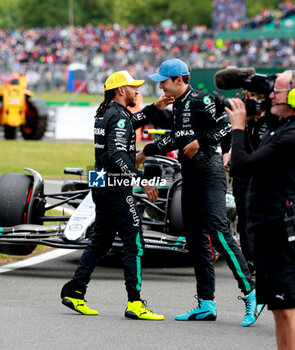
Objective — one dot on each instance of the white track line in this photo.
(36, 259)
(39, 258)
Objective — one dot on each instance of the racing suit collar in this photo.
(183, 97)
(123, 107)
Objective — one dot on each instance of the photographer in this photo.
(255, 129)
(270, 203)
(255, 95)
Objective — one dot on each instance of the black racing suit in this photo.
(272, 185)
(204, 188)
(116, 210)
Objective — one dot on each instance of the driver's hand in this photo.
(151, 191)
(140, 158)
(191, 149)
(163, 101)
(226, 161)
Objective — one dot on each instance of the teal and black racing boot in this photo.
(253, 310)
(205, 311)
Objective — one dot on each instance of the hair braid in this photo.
(108, 97)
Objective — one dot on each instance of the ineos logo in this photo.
(99, 131)
(129, 200)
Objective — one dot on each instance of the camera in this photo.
(253, 107)
(237, 78)
(260, 83)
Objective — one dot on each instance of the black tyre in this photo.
(9, 132)
(34, 128)
(36, 120)
(15, 194)
(176, 223)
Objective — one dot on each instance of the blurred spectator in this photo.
(228, 14)
(46, 52)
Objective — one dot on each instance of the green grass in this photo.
(48, 158)
(7, 259)
(59, 96)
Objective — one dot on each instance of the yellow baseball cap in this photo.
(121, 78)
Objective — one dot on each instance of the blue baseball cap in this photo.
(170, 68)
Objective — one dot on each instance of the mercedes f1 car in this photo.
(24, 206)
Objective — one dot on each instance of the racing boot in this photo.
(253, 310)
(71, 289)
(138, 311)
(79, 305)
(74, 299)
(205, 311)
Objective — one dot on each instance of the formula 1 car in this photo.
(24, 223)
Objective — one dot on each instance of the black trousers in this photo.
(274, 259)
(240, 190)
(116, 211)
(204, 214)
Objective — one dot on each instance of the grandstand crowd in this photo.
(229, 15)
(113, 47)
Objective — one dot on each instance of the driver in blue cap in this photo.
(197, 129)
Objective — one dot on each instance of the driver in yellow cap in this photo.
(116, 210)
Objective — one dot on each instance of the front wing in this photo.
(53, 236)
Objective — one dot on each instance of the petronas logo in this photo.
(121, 123)
(206, 100)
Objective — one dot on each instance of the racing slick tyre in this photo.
(36, 120)
(15, 195)
(176, 223)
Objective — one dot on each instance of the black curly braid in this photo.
(108, 97)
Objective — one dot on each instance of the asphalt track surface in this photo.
(32, 316)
